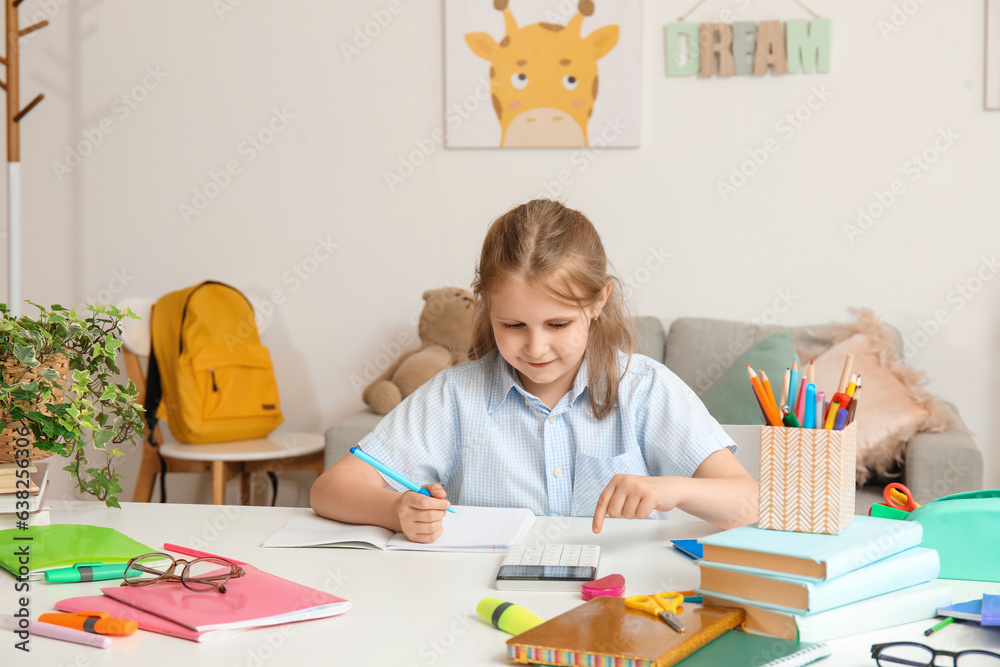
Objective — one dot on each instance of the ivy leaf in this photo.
(25, 355)
(102, 438)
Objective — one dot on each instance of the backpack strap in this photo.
(154, 396)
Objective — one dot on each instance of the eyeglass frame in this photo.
(235, 572)
(878, 648)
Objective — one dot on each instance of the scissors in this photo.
(898, 496)
(663, 605)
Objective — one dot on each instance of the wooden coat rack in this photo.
(14, 115)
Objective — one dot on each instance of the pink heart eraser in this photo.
(612, 586)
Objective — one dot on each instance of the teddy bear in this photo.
(445, 331)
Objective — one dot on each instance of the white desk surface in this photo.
(408, 608)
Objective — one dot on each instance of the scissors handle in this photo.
(898, 496)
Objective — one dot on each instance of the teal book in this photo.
(794, 594)
(864, 541)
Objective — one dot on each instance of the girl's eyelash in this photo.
(556, 325)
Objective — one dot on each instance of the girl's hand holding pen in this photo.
(420, 516)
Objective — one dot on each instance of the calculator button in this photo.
(532, 556)
(570, 555)
(551, 555)
(590, 555)
(514, 555)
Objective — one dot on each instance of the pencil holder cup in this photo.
(807, 478)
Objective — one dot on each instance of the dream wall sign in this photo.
(746, 47)
(541, 73)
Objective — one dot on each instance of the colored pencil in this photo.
(793, 384)
(784, 388)
(799, 412)
(768, 392)
(811, 373)
(845, 376)
(770, 413)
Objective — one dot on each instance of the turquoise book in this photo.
(795, 594)
(811, 555)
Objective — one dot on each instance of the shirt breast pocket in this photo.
(594, 472)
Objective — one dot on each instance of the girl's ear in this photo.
(599, 306)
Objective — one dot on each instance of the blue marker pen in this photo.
(810, 407)
(389, 472)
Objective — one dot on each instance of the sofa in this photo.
(696, 349)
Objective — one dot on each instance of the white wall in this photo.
(322, 177)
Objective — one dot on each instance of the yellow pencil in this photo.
(846, 375)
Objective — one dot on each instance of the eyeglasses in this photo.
(201, 574)
(918, 655)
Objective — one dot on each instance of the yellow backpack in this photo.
(216, 378)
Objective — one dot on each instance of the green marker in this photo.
(86, 572)
(930, 631)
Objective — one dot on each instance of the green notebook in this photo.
(736, 648)
(63, 545)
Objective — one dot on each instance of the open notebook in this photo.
(469, 529)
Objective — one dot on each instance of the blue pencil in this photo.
(793, 384)
(392, 474)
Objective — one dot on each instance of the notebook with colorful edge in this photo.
(604, 628)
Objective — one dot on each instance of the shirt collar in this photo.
(505, 378)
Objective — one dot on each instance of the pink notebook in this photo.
(146, 621)
(255, 600)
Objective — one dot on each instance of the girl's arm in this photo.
(720, 492)
(353, 492)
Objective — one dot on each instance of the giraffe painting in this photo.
(543, 77)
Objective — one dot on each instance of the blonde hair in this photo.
(556, 251)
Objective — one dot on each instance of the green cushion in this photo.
(730, 397)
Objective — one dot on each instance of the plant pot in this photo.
(18, 435)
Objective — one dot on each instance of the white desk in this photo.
(408, 608)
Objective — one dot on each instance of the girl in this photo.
(553, 413)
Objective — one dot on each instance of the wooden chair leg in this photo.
(245, 487)
(149, 468)
(218, 482)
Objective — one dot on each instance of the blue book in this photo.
(985, 611)
(795, 594)
(864, 541)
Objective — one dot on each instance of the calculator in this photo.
(553, 567)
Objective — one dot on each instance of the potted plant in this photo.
(58, 394)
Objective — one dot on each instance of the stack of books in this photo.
(816, 587)
(32, 479)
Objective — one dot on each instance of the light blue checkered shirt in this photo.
(475, 429)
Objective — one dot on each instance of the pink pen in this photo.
(820, 403)
(36, 629)
(187, 551)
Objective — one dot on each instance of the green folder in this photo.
(63, 545)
